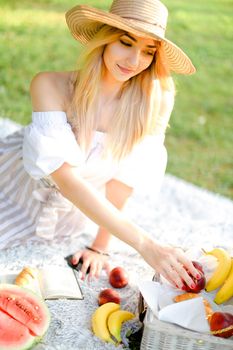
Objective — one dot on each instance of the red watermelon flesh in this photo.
(25, 307)
(13, 334)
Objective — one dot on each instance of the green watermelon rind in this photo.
(26, 346)
(31, 343)
(33, 339)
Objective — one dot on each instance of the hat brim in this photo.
(85, 21)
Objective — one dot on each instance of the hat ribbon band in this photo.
(145, 22)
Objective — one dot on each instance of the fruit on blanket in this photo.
(226, 291)
(24, 317)
(199, 283)
(118, 277)
(222, 270)
(115, 321)
(108, 295)
(28, 278)
(14, 335)
(188, 296)
(221, 324)
(99, 320)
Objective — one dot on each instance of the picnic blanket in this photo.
(183, 215)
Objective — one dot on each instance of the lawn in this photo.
(34, 37)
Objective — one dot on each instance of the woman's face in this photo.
(128, 56)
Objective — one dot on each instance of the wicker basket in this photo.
(158, 335)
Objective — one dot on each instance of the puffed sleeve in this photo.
(48, 143)
(144, 168)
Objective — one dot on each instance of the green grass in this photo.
(34, 37)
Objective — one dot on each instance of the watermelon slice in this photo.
(24, 317)
(14, 335)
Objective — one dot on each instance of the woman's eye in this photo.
(150, 53)
(125, 43)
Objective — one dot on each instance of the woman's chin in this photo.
(122, 77)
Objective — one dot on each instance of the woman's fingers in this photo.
(189, 271)
(181, 270)
(91, 260)
(183, 276)
(98, 269)
(107, 267)
(190, 267)
(100, 265)
(76, 257)
(169, 274)
(84, 268)
(177, 276)
(173, 278)
(92, 270)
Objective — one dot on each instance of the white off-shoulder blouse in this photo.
(49, 142)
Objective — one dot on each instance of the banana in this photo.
(222, 270)
(115, 321)
(226, 291)
(99, 321)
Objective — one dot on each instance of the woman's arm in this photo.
(96, 207)
(169, 261)
(117, 193)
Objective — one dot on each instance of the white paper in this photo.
(189, 314)
(149, 291)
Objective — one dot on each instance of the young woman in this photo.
(96, 135)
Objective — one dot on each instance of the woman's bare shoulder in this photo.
(51, 90)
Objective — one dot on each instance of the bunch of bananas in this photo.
(222, 276)
(107, 321)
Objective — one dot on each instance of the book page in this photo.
(59, 282)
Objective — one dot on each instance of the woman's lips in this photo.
(125, 70)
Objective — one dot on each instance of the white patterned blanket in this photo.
(183, 215)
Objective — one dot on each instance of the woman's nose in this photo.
(133, 59)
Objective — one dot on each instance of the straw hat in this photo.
(144, 18)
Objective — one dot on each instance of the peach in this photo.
(221, 324)
(108, 295)
(118, 277)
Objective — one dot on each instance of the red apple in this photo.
(108, 295)
(118, 277)
(199, 283)
(198, 266)
(221, 324)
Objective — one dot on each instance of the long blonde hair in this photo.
(137, 112)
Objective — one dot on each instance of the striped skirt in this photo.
(31, 209)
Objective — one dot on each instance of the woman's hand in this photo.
(171, 263)
(95, 261)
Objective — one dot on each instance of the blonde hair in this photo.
(137, 112)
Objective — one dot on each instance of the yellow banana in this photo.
(226, 291)
(115, 321)
(222, 270)
(99, 321)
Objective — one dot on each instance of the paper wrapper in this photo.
(189, 314)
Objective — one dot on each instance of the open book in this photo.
(53, 282)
